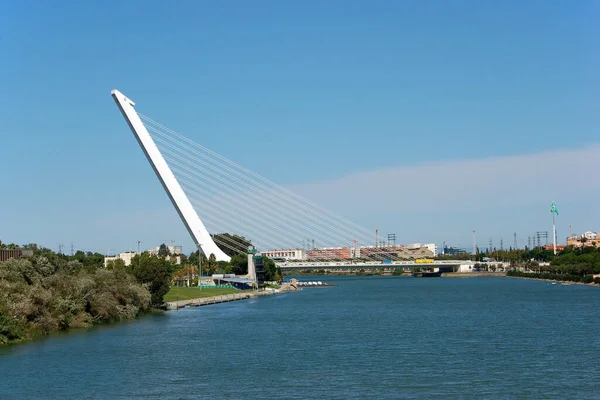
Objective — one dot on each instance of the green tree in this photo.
(163, 251)
(155, 273)
(270, 270)
(239, 264)
(50, 292)
(115, 264)
(211, 264)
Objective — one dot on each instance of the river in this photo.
(366, 338)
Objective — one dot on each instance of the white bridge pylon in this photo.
(184, 208)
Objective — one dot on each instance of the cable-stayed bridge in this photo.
(231, 198)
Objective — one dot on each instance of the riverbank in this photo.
(471, 274)
(565, 283)
(177, 293)
(176, 305)
(224, 298)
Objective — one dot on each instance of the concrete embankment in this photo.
(204, 301)
(471, 274)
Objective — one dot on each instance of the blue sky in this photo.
(312, 95)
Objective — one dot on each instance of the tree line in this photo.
(576, 264)
(49, 292)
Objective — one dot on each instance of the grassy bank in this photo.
(186, 293)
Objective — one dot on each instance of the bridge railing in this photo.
(354, 264)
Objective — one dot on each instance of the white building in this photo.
(173, 250)
(432, 247)
(288, 254)
(126, 257)
(175, 256)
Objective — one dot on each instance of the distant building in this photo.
(559, 247)
(288, 254)
(585, 240)
(415, 252)
(126, 257)
(432, 247)
(175, 256)
(453, 251)
(173, 250)
(328, 253)
(389, 252)
(399, 251)
(7, 254)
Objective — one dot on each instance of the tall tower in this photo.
(251, 268)
(184, 208)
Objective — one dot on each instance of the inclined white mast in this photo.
(184, 208)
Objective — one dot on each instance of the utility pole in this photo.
(553, 211)
(391, 238)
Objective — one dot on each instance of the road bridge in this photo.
(357, 265)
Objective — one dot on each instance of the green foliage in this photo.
(193, 258)
(239, 264)
(163, 251)
(155, 273)
(577, 265)
(115, 264)
(554, 276)
(48, 293)
(272, 272)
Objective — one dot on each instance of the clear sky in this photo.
(423, 118)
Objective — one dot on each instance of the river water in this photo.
(368, 337)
